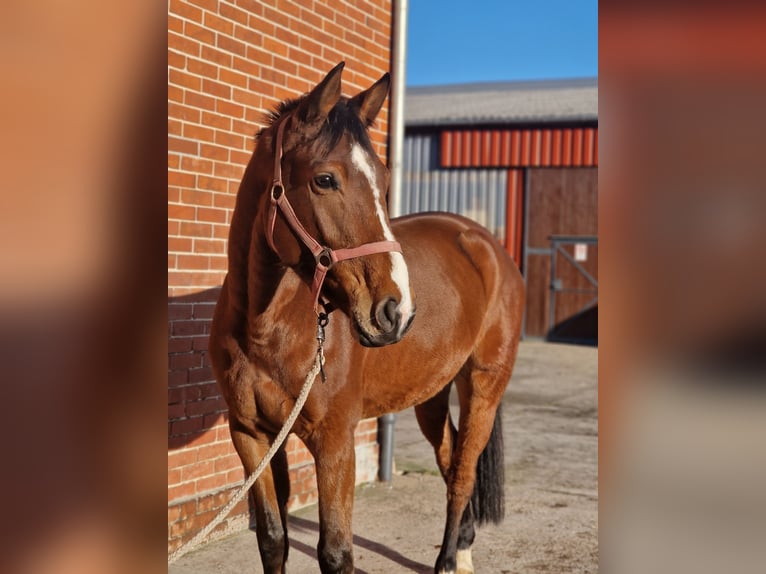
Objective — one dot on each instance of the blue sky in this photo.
(457, 41)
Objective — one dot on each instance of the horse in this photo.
(311, 248)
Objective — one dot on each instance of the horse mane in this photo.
(343, 118)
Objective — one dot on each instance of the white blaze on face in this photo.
(399, 273)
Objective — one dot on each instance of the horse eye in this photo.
(325, 181)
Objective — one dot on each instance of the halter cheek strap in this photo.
(324, 256)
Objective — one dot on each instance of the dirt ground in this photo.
(550, 428)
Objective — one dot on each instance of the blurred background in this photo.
(681, 277)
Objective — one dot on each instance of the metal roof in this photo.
(544, 101)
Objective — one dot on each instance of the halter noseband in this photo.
(324, 256)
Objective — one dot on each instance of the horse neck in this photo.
(247, 223)
(264, 272)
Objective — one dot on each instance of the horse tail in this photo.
(488, 499)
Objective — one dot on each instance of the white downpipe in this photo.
(398, 82)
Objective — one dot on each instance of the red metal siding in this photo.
(514, 214)
(573, 147)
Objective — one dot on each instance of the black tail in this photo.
(488, 498)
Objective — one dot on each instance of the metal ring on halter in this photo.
(277, 189)
(324, 258)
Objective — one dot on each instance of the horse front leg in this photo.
(269, 495)
(336, 473)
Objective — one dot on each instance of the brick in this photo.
(226, 200)
(197, 165)
(311, 18)
(182, 145)
(225, 27)
(212, 184)
(196, 197)
(275, 16)
(199, 101)
(232, 45)
(248, 35)
(216, 89)
(233, 13)
(179, 43)
(227, 463)
(202, 68)
(179, 345)
(180, 491)
(201, 375)
(230, 140)
(175, 24)
(210, 406)
(175, 94)
(219, 263)
(241, 158)
(177, 311)
(185, 10)
(324, 11)
(180, 244)
(230, 109)
(175, 127)
(193, 262)
(183, 361)
(184, 113)
(259, 55)
(208, 483)
(310, 46)
(186, 426)
(274, 46)
(232, 78)
(199, 469)
(211, 215)
(285, 66)
(214, 152)
(199, 133)
(220, 57)
(228, 170)
(199, 33)
(211, 5)
(209, 246)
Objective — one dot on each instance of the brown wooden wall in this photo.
(560, 201)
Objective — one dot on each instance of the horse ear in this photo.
(369, 102)
(323, 97)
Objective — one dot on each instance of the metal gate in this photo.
(573, 298)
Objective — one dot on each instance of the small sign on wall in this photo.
(581, 252)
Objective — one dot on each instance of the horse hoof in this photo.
(464, 561)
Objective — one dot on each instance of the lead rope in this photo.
(299, 402)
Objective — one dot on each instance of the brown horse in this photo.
(469, 298)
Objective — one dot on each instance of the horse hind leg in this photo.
(268, 496)
(435, 422)
(479, 436)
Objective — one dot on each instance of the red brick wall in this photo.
(229, 62)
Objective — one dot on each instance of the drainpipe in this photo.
(396, 119)
(398, 80)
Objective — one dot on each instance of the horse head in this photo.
(336, 188)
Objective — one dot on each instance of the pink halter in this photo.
(324, 256)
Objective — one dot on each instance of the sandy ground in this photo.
(551, 431)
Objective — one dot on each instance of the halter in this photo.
(324, 256)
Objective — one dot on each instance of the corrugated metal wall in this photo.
(490, 196)
(520, 147)
(476, 193)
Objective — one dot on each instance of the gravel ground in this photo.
(550, 414)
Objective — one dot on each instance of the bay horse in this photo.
(311, 228)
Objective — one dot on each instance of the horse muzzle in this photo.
(390, 325)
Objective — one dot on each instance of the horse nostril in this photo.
(387, 315)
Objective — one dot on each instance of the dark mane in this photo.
(343, 118)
